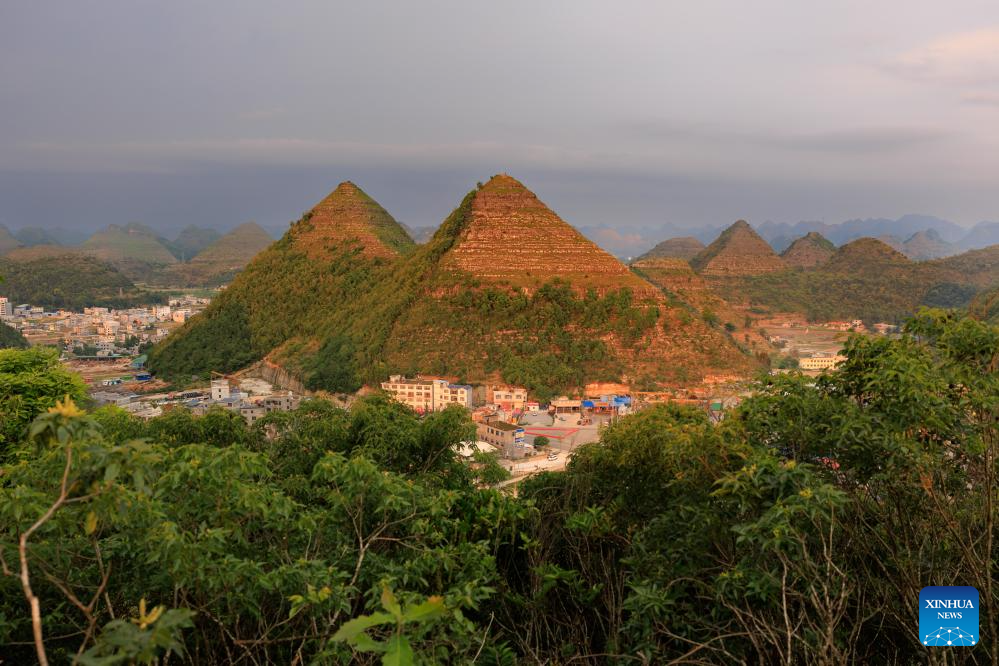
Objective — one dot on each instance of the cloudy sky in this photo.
(618, 114)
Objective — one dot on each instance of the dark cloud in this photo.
(623, 116)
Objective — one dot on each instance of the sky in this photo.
(619, 115)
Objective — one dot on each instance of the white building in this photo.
(428, 395)
(820, 362)
(220, 389)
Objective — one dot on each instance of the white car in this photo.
(552, 456)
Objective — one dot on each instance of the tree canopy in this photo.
(800, 529)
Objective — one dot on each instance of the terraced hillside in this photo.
(869, 280)
(738, 251)
(809, 251)
(504, 289)
(684, 247)
(572, 314)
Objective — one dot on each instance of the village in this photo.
(105, 346)
(100, 332)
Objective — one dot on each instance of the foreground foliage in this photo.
(798, 531)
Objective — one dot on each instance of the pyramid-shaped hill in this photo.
(504, 291)
(865, 255)
(236, 248)
(809, 251)
(126, 244)
(738, 251)
(302, 286)
(225, 257)
(348, 216)
(507, 291)
(685, 247)
(672, 272)
(927, 244)
(7, 240)
(509, 236)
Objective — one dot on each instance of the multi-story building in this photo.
(220, 389)
(508, 398)
(820, 362)
(6, 308)
(428, 395)
(507, 437)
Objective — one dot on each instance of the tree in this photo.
(31, 381)
(541, 442)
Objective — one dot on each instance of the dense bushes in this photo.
(11, 338)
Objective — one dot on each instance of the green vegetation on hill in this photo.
(31, 381)
(220, 261)
(72, 281)
(7, 240)
(986, 306)
(31, 236)
(866, 279)
(130, 243)
(190, 241)
(11, 338)
(345, 321)
(799, 530)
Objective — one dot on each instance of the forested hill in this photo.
(73, 281)
(864, 279)
(505, 289)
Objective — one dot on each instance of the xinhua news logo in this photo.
(948, 616)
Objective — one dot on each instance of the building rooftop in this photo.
(503, 425)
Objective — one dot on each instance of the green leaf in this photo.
(399, 652)
(390, 604)
(348, 630)
(90, 525)
(364, 643)
(428, 610)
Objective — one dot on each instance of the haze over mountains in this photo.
(635, 241)
(195, 257)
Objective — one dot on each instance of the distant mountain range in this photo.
(195, 257)
(946, 237)
(865, 278)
